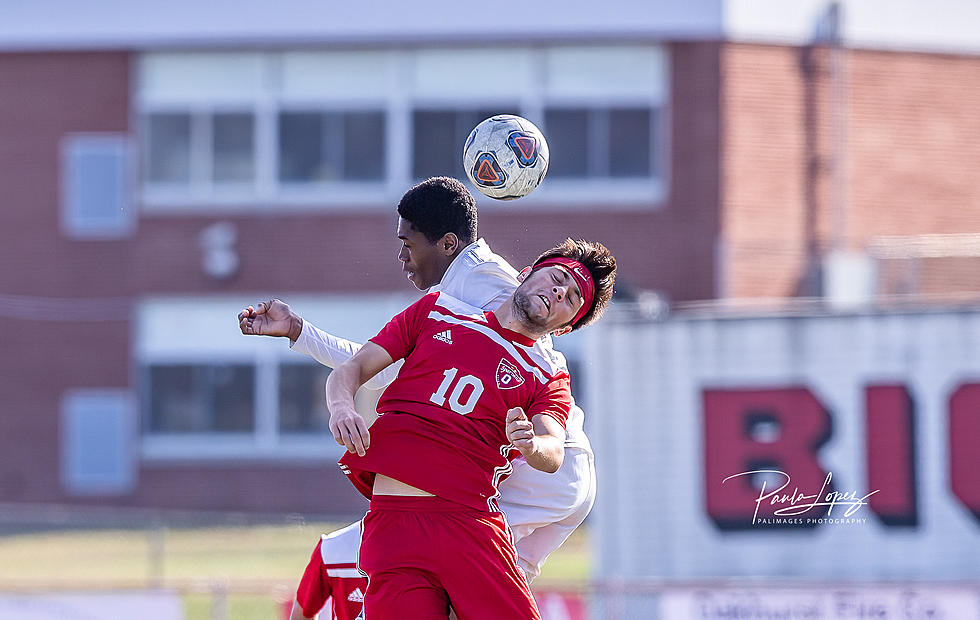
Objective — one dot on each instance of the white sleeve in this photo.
(332, 351)
(486, 287)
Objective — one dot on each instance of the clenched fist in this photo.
(270, 318)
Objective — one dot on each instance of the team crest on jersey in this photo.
(508, 375)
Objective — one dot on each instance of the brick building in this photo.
(162, 170)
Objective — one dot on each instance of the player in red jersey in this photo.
(472, 394)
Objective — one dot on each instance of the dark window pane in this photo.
(300, 146)
(364, 146)
(332, 158)
(173, 404)
(629, 142)
(233, 397)
(302, 408)
(200, 398)
(168, 158)
(233, 150)
(434, 145)
(568, 142)
(325, 146)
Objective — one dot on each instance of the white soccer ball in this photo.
(505, 157)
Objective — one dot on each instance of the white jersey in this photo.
(542, 509)
(479, 277)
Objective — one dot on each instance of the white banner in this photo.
(92, 606)
(834, 447)
(882, 603)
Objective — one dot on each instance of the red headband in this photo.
(581, 276)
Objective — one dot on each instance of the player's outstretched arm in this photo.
(275, 318)
(541, 439)
(347, 426)
(332, 351)
(270, 318)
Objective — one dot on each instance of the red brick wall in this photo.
(913, 145)
(42, 97)
(910, 156)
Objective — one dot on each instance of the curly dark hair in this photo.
(601, 265)
(438, 206)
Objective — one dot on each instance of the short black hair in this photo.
(438, 206)
(601, 265)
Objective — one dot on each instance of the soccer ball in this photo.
(505, 157)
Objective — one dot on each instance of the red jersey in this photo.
(441, 423)
(332, 575)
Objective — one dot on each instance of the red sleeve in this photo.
(314, 587)
(554, 400)
(399, 335)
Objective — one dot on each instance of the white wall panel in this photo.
(647, 381)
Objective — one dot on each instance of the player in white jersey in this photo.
(441, 252)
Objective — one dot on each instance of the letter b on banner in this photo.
(745, 430)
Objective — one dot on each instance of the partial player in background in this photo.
(440, 251)
(332, 577)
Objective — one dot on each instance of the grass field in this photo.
(255, 565)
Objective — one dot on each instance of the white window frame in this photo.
(76, 224)
(77, 405)
(213, 338)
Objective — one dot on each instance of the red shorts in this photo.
(423, 554)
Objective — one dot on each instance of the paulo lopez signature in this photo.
(797, 502)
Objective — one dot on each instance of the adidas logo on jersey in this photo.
(445, 336)
(508, 375)
(356, 596)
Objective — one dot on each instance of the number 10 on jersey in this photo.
(455, 399)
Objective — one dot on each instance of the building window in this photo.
(199, 398)
(331, 146)
(630, 147)
(601, 142)
(168, 148)
(199, 152)
(97, 434)
(233, 148)
(96, 185)
(568, 131)
(438, 136)
(330, 127)
(302, 406)
(205, 391)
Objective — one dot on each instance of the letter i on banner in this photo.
(890, 452)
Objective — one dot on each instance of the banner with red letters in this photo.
(827, 447)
